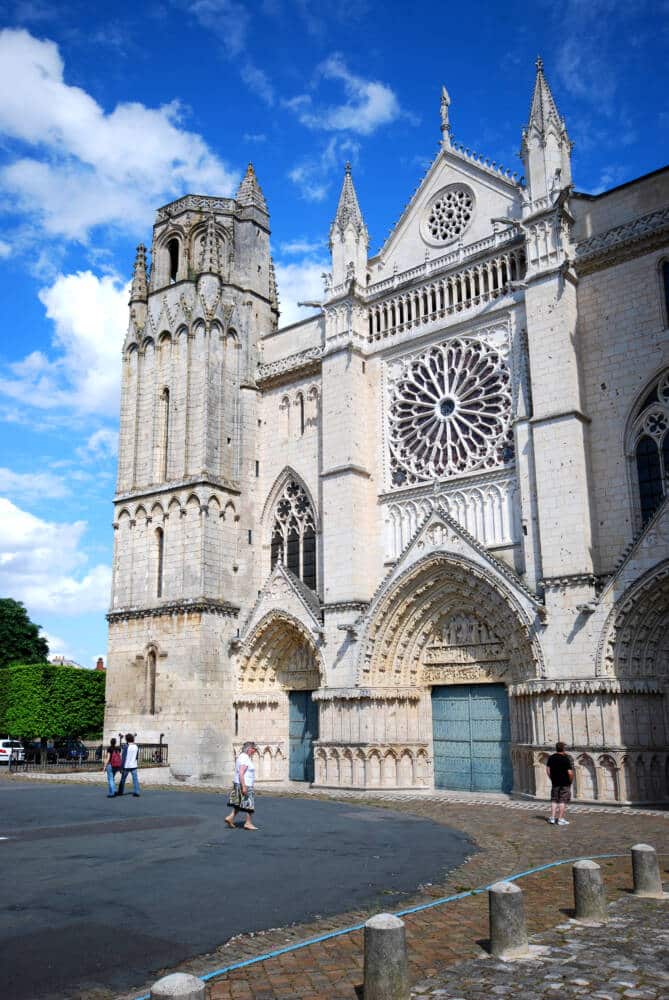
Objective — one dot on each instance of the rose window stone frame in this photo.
(450, 413)
(448, 215)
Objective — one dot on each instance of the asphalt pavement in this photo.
(100, 893)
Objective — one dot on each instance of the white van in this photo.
(13, 748)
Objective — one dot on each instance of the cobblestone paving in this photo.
(625, 959)
(511, 836)
(510, 840)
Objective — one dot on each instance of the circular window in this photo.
(448, 215)
(450, 412)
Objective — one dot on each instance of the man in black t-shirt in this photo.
(560, 769)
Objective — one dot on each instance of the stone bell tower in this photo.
(184, 508)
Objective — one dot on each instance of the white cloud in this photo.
(611, 176)
(369, 104)
(5, 249)
(57, 646)
(229, 21)
(32, 485)
(313, 175)
(258, 82)
(41, 564)
(585, 71)
(302, 246)
(87, 167)
(299, 281)
(102, 444)
(90, 315)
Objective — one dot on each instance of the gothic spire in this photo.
(545, 147)
(211, 251)
(250, 193)
(138, 291)
(348, 211)
(543, 109)
(349, 239)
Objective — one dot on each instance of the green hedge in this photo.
(44, 700)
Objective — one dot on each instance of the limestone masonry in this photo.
(414, 540)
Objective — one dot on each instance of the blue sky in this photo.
(108, 111)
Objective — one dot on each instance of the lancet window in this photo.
(160, 558)
(650, 447)
(294, 533)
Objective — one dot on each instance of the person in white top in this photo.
(242, 797)
(129, 764)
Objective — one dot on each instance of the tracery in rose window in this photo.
(450, 413)
(449, 214)
(294, 533)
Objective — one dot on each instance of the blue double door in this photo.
(302, 731)
(472, 738)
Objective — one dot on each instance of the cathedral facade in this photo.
(412, 541)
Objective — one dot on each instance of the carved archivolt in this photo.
(446, 621)
(280, 653)
(635, 638)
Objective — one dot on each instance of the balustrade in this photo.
(444, 296)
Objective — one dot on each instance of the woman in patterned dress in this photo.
(241, 798)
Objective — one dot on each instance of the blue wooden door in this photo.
(471, 735)
(302, 731)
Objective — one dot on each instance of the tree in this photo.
(20, 641)
(42, 700)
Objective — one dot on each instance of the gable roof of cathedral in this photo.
(543, 109)
(250, 192)
(305, 596)
(348, 210)
(457, 155)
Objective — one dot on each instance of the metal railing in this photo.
(55, 760)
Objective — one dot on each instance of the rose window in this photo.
(449, 215)
(450, 412)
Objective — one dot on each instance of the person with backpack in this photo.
(112, 766)
(129, 762)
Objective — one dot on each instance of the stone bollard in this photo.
(646, 872)
(386, 970)
(508, 936)
(179, 986)
(589, 893)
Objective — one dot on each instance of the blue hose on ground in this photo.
(400, 913)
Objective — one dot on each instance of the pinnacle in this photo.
(543, 110)
(211, 255)
(249, 192)
(138, 291)
(348, 209)
(444, 114)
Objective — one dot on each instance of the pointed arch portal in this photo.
(281, 654)
(448, 626)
